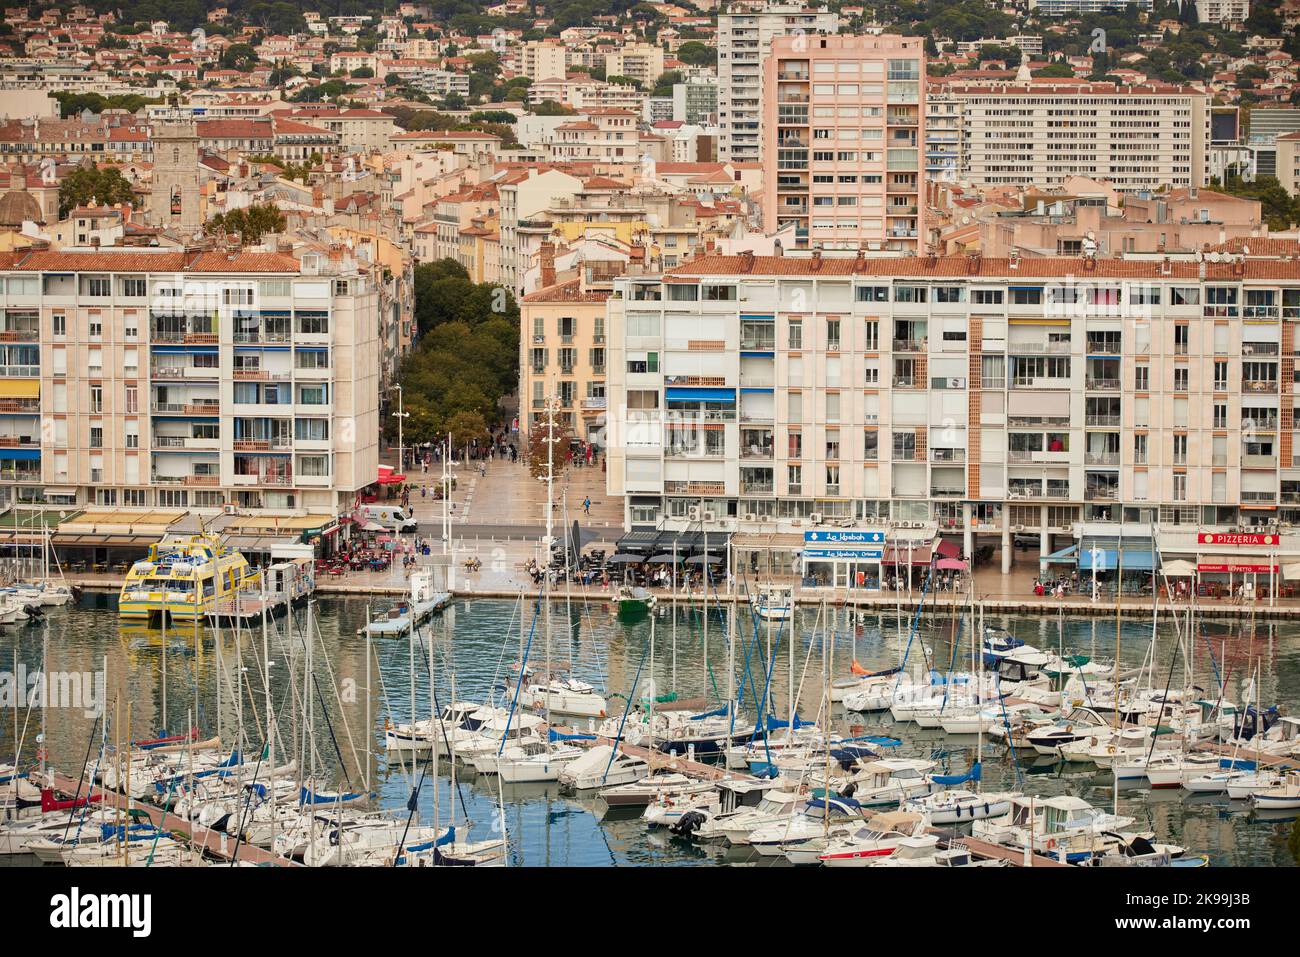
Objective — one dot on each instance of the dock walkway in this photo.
(217, 843)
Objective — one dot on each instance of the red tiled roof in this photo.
(956, 267)
(207, 261)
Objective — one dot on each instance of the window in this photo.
(949, 294)
(871, 335)
(314, 323)
(794, 334)
(794, 479)
(832, 334)
(311, 359)
(871, 445)
(1185, 296)
(644, 362)
(871, 294)
(1027, 295)
(134, 288)
(99, 286)
(1220, 376)
(911, 294)
(311, 430)
(96, 398)
(1142, 378)
(1180, 379)
(832, 444)
(1180, 449)
(1181, 336)
(1220, 415)
(1139, 450)
(95, 327)
(713, 293)
(987, 297)
(96, 437)
(59, 324)
(314, 465)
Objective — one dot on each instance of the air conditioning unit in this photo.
(751, 517)
(815, 518)
(231, 508)
(1017, 528)
(710, 517)
(693, 513)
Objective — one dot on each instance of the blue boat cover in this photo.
(773, 723)
(948, 780)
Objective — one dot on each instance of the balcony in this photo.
(20, 335)
(20, 372)
(1101, 493)
(756, 488)
(166, 370)
(1101, 458)
(1101, 384)
(1264, 498)
(20, 405)
(1259, 386)
(262, 445)
(909, 345)
(1105, 421)
(260, 375)
(187, 408)
(1260, 348)
(758, 343)
(946, 491)
(257, 337)
(948, 456)
(1258, 461)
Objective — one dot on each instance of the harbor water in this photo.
(213, 679)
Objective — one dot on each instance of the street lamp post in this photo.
(400, 415)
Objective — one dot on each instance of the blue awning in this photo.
(1106, 559)
(1138, 560)
(755, 389)
(759, 354)
(24, 455)
(680, 394)
(1066, 556)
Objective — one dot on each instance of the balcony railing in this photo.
(20, 335)
(1111, 421)
(20, 405)
(948, 455)
(946, 491)
(1258, 386)
(1260, 348)
(909, 345)
(1099, 384)
(1102, 458)
(1101, 493)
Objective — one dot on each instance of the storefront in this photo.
(845, 558)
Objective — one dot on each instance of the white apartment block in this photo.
(186, 379)
(643, 62)
(984, 397)
(543, 60)
(1061, 8)
(1222, 11)
(743, 42)
(1136, 138)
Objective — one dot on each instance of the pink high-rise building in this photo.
(843, 129)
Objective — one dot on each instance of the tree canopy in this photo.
(251, 222)
(105, 185)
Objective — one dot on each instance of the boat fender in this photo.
(334, 838)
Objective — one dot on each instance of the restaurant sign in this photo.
(1238, 568)
(1237, 538)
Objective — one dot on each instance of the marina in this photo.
(183, 676)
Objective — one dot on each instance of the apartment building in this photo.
(743, 41)
(696, 101)
(844, 123)
(563, 349)
(1038, 133)
(543, 60)
(187, 379)
(1062, 8)
(983, 397)
(643, 62)
(1222, 11)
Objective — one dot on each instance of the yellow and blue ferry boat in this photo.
(186, 579)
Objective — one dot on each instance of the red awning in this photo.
(948, 549)
(896, 555)
(388, 478)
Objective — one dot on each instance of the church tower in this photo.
(175, 198)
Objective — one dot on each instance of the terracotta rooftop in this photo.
(132, 261)
(570, 291)
(959, 267)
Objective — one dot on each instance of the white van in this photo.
(390, 516)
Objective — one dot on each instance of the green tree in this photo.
(697, 54)
(105, 185)
(251, 222)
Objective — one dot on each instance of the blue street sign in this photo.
(816, 554)
(842, 537)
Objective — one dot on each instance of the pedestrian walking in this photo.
(586, 505)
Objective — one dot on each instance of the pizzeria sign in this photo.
(1237, 538)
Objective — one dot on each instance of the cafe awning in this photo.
(898, 554)
(1065, 556)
